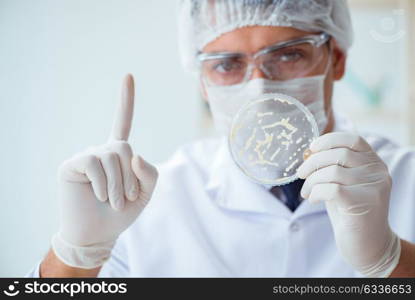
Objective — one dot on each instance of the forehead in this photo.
(253, 38)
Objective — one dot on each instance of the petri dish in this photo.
(268, 137)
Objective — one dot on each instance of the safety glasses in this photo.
(282, 61)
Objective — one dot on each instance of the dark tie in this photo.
(291, 192)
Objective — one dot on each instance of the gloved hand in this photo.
(355, 184)
(102, 191)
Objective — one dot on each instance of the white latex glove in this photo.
(102, 191)
(355, 184)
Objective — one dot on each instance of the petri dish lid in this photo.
(268, 137)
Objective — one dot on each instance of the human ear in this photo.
(338, 63)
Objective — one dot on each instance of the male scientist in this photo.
(349, 213)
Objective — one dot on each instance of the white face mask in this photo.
(226, 101)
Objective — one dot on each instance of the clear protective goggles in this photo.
(283, 61)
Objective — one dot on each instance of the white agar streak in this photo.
(260, 115)
(250, 139)
(292, 165)
(275, 153)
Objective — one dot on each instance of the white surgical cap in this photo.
(202, 21)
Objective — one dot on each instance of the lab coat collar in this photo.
(233, 190)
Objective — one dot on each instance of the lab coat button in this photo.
(294, 227)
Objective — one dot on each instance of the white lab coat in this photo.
(207, 219)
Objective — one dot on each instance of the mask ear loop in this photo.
(329, 111)
(329, 59)
(307, 153)
(203, 88)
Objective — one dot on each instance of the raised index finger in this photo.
(124, 112)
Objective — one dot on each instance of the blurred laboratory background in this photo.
(62, 63)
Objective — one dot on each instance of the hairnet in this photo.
(202, 21)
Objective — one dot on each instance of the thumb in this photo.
(146, 174)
